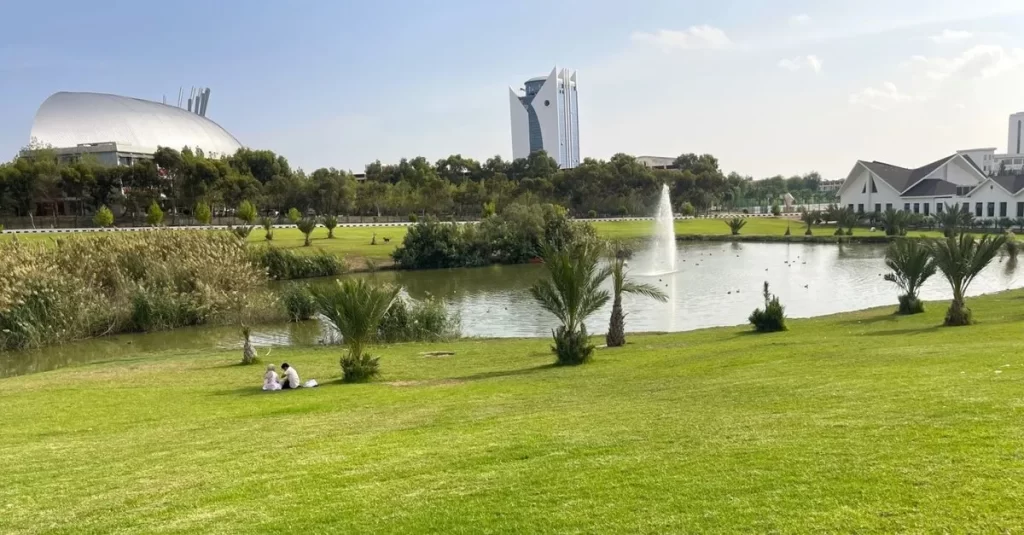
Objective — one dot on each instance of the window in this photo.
(1002, 209)
(850, 207)
(860, 208)
(874, 189)
(977, 209)
(1020, 209)
(888, 206)
(927, 205)
(991, 209)
(962, 190)
(906, 207)
(939, 207)
(878, 208)
(864, 189)
(917, 208)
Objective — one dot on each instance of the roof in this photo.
(901, 178)
(537, 79)
(1011, 183)
(929, 187)
(71, 119)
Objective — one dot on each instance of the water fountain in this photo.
(663, 249)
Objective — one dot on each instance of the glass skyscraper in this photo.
(545, 117)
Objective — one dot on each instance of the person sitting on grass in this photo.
(270, 381)
(291, 377)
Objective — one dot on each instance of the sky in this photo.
(781, 87)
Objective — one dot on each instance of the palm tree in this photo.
(572, 293)
(845, 218)
(961, 260)
(622, 285)
(331, 222)
(953, 219)
(809, 217)
(735, 224)
(355, 308)
(912, 264)
(895, 222)
(306, 227)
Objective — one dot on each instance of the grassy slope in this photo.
(853, 423)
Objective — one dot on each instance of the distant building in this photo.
(1012, 161)
(657, 162)
(545, 116)
(120, 130)
(1015, 139)
(829, 186)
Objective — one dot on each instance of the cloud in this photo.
(802, 19)
(950, 36)
(811, 62)
(980, 61)
(693, 38)
(882, 98)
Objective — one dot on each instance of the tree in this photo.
(154, 215)
(268, 228)
(103, 218)
(331, 222)
(912, 264)
(294, 215)
(735, 224)
(203, 214)
(809, 217)
(895, 222)
(960, 260)
(621, 284)
(845, 218)
(954, 219)
(355, 308)
(572, 293)
(306, 227)
(246, 212)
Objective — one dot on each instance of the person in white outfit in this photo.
(270, 381)
(291, 377)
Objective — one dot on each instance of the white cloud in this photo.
(980, 61)
(950, 36)
(811, 62)
(693, 38)
(882, 98)
(802, 19)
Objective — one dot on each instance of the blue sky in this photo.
(768, 87)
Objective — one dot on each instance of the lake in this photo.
(716, 284)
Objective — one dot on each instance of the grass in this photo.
(859, 422)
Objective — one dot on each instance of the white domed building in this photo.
(118, 130)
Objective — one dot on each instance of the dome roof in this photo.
(71, 119)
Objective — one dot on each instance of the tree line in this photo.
(39, 182)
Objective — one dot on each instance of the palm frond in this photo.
(645, 290)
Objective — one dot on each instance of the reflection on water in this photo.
(716, 284)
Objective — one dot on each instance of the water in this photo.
(714, 284)
(662, 255)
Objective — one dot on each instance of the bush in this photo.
(359, 369)
(203, 213)
(772, 318)
(246, 212)
(242, 231)
(284, 264)
(294, 215)
(298, 302)
(592, 214)
(268, 227)
(687, 209)
(776, 210)
(572, 348)
(330, 222)
(103, 218)
(413, 218)
(418, 321)
(84, 286)
(306, 227)
(154, 215)
(488, 210)
(735, 224)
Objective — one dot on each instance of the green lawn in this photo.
(860, 422)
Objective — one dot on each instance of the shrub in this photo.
(298, 302)
(284, 264)
(687, 209)
(572, 347)
(772, 318)
(246, 212)
(413, 218)
(203, 213)
(268, 228)
(488, 210)
(592, 214)
(912, 265)
(242, 231)
(331, 222)
(355, 308)
(294, 215)
(103, 218)
(306, 227)
(418, 321)
(776, 210)
(154, 215)
(735, 224)
(83, 286)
